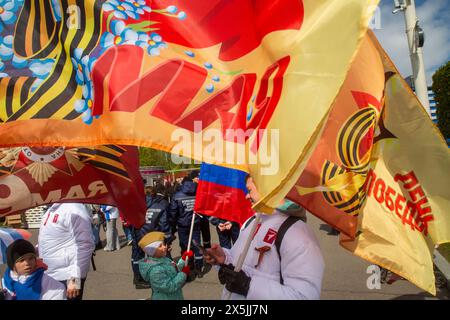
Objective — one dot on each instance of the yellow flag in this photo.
(407, 207)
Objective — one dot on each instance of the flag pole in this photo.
(190, 234)
(416, 41)
(241, 259)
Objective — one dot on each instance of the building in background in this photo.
(152, 174)
(433, 113)
(158, 174)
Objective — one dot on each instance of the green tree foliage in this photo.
(153, 157)
(441, 89)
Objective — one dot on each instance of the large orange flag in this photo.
(178, 75)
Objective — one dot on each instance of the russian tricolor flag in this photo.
(221, 193)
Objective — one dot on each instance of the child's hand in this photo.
(186, 254)
(186, 270)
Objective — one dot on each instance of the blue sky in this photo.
(434, 18)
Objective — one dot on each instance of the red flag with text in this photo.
(108, 174)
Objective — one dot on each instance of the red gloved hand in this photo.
(187, 254)
(186, 270)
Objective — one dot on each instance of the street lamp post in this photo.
(416, 39)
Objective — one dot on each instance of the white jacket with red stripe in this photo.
(66, 241)
(302, 264)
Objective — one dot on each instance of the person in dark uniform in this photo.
(204, 221)
(181, 211)
(228, 231)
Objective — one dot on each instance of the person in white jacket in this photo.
(66, 244)
(112, 234)
(295, 272)
(24, 279)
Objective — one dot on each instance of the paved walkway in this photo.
(345, 275)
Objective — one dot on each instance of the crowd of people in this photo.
(57, 267)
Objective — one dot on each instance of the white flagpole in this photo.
(241, 259)
(190, 235)
(416, 40)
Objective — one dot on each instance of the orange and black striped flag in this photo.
(106, 158)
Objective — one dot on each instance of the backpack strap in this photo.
(280, 235)
(247, 223)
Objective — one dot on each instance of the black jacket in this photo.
(156, 217)
(182, 205)
(157, 214)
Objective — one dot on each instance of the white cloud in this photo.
(433, 16)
